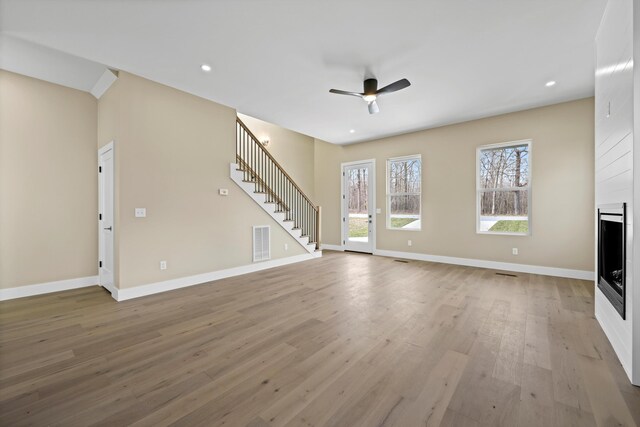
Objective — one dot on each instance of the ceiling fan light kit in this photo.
(371, 92)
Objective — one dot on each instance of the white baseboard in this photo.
(47, 288)
(183, 282)
(331, 247)
(494, 265)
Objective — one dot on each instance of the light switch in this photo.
(378, 211)
(141, 212)
(223, 192)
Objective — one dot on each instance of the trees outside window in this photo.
(404, 187)
(503, 188)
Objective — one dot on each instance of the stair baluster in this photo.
(260, 168)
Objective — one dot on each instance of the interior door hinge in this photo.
(99, 216)
(99, 169)
(100, 264)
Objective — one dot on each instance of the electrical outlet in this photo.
(141, 212)
(286, 246)
(223, 191)
(514, 251)
(163, 265)
(409, 243)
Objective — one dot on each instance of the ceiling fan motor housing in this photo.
(370, 86)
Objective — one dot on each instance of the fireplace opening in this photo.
(611, 254)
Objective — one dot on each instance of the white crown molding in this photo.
(104, 83)
(47, 288)
(183, 282)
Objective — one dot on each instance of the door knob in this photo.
(108, 228)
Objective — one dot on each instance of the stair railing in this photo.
(259, 167)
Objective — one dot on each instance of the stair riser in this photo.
(270, 208)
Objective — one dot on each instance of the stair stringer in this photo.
(261, 199)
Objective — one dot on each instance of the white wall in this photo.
(614, 155)
(635, 292)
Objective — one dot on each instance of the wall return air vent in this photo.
(261, 243)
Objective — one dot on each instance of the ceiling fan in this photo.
(371, 92)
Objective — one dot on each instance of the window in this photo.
(404, 177)
(503, 188)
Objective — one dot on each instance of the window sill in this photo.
(404, 229)
(505, 233)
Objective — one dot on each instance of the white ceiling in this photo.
(277, 59)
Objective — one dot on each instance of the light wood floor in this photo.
(346, 340)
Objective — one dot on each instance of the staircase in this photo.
(267, 183)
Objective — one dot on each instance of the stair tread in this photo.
(271, 198)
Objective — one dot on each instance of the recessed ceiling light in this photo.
(550, 83)
(352, 131)
(205, 67)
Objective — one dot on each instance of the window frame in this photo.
(529, 187)
(388, 194)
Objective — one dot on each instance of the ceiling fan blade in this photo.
(373, 107)
(344, 92)
(394, 87)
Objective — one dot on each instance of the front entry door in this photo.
(357, 217)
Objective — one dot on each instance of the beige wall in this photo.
(327, 171)
(294, 151)
(172, 155)
(173, 152)
(48, 182)
(562, 212)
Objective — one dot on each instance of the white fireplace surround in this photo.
(617, 164)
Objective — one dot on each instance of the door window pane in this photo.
(358, 204)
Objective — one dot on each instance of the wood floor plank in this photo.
(510, 358)
(344, 340)
(536, 397)
(430, 406)
(608, 404)
(536, 347)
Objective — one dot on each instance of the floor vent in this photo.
(261, 243)
(402, 261)
(506, 274)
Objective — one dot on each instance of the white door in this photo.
(358, 198)
(106, 261)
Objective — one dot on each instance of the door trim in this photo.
(374, 223)
(105, 148)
